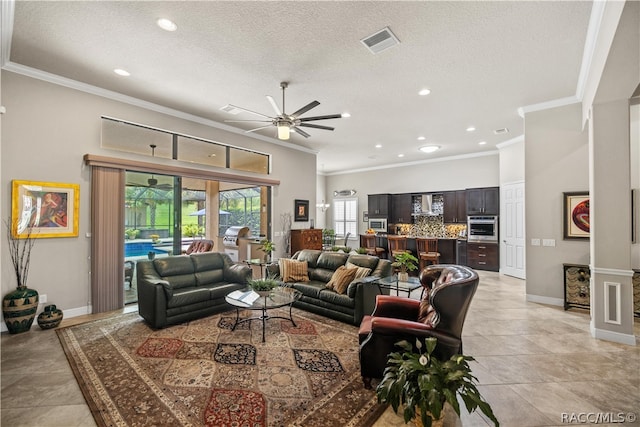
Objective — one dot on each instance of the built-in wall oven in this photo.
(482, 228)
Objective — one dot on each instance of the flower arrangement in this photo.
(423, 384)
(155, 238)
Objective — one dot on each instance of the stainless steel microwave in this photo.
(378, 225)
(482, 228)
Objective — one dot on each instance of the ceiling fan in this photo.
(286, 123)
(153, 181)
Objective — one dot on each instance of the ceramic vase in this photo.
(50, 318)
(403, 276)
(19, 309)
(151, 255)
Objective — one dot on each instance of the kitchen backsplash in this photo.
(431, 226)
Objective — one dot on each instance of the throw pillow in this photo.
(292, 270)
(360, 271)
(341, 279)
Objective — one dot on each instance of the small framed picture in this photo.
(576, 215)
(301, 210)
(44, 209)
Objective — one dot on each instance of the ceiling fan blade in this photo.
(244, 121)
(306, 108)
(310, 125)
(300, 132)
(331, 116)
(261, 127)
(249, 111)
(274, 105)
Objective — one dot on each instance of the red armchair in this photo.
(448, 290)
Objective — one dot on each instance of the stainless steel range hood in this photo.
(426, 206)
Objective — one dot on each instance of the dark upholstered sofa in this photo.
(175, 289)
(360, 296)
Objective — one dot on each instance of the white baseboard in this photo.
(67, 314)
(613, 336)
(545, 300)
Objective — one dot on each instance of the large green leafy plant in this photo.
(405, 261)
(422, 383)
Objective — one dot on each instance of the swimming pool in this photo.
(132, 249)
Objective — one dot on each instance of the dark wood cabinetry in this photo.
(447, 249)
(401, 209)
(306, 239)
(455, 206)
(483, 201)
(379, 205)
(483, 256)
(461, 252)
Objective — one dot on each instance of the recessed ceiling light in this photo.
(378, 145)
(429, 148)
(346, 115)
(482, 142)
(400, 155)
(421, 138)
(121, 72)
(166, 24)
(424, 92)
(471, 129)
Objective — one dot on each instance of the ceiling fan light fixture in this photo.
(283, 132)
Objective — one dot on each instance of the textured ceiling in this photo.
(481, 60)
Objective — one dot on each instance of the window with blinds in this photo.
(345, 216)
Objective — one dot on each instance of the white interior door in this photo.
(512, 230)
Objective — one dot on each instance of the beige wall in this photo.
(512, 161)
(556, 161)
(46, 131)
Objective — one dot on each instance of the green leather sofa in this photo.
(176, 289)
(360, 297)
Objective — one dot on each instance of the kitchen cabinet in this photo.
(447, 249)
(379, 205)
(483, 256)
(401, 209)
(310, 238)
(461, 252)
(483, 201)
(455, 207)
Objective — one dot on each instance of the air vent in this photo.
(382, 40)
(230, 109)
(501, 131)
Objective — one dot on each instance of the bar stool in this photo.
(368, 241)
(427, 251)
(397, 244)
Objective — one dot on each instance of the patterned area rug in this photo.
(203, 374)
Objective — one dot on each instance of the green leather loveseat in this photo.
(179, 288)
(360, 296)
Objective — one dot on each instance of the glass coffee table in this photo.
(281, 296)
(392, 283)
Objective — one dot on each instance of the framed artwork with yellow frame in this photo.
(44, 209)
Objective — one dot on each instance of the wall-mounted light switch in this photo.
(548, 242)
(535, 242)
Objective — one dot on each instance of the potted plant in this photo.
(155, 238)
(422, 384)
(263, 286)
(267, 246)
(20, 305)
(131, 233)
(406, 262)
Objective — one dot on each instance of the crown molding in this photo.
(512, 141)
(7, 9)
(417, 162)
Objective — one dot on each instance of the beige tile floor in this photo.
(534, 363)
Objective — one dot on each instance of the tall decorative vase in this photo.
(19, 309)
